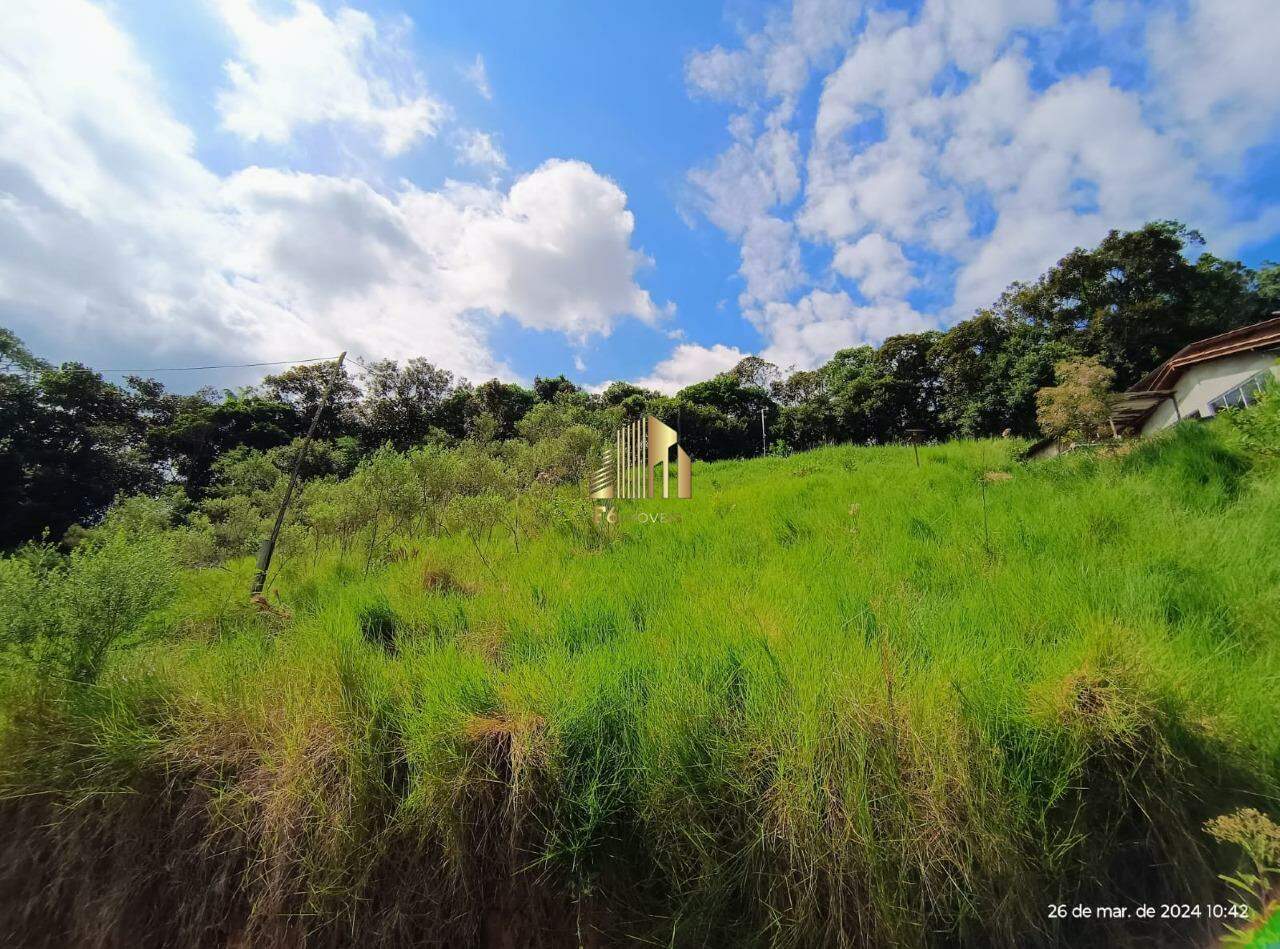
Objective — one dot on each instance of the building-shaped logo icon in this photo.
(631, 466)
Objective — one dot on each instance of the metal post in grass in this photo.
(764, 439)
(982, 484)
(914, 435)
(986, 532)
(269, 545)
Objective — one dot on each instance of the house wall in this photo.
(1204, 382)
(1052, 448)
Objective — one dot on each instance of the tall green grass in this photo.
(834, 699)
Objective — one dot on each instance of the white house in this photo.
(1199, 380)
(1195, 382)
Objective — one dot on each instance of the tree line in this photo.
(72, 442)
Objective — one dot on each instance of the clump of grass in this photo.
(438, 578)
(379, 624)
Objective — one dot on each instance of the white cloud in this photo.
(1215, 71)
(878, 265)
(775, 61)
(305, 68)
(554, 252)
(748, 178)
(738, 193)
(805, 333)
(1079, 160)
(690, 363)
(114, 238)
(930, 142)
(759, 173)
(478, 75)
(717, 73)
(478, 149)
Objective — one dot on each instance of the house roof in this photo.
(1130, 409)
(1256, 336)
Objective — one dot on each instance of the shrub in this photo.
(1079, 406)
(1259, 425)
(27, 622)
(67, 615)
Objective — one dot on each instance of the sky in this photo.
(643, 191)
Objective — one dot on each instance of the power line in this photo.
(244, 365)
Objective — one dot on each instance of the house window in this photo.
(1241, 396)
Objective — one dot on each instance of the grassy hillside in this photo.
(834, 699)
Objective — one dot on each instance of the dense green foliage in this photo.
(834, 699)
(65, 616)
(71, 442)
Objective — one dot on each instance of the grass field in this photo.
(834, 699)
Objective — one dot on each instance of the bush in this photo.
(66, 615)
(1259, 425)
(1079, 406)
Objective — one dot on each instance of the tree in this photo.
(756, 372)
(1268, 283)
(506, 403)
(1135, 299)
(197, 430)
(549, 388)
(911, 386)
(69, 443)
(856, 390)
(302, 388)
(15, 354)
(719, 418)
(619, 392)
(806, 415)
(403, 406)
(1079, 406)
(68, 614)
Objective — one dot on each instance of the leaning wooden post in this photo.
(269, 545)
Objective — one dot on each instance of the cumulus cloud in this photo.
(690, 363)
(877, 264)
(1215, 71)
(775, 61)
(478, 150)
(805, 333)
(115, 237)
(931, 142)
(739, 192)
(305, 68)
(747, 185)
(717, 73)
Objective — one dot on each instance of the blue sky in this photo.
(632, 191)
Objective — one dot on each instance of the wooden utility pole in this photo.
(269, 545)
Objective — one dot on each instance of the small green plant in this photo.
(1258, 836)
